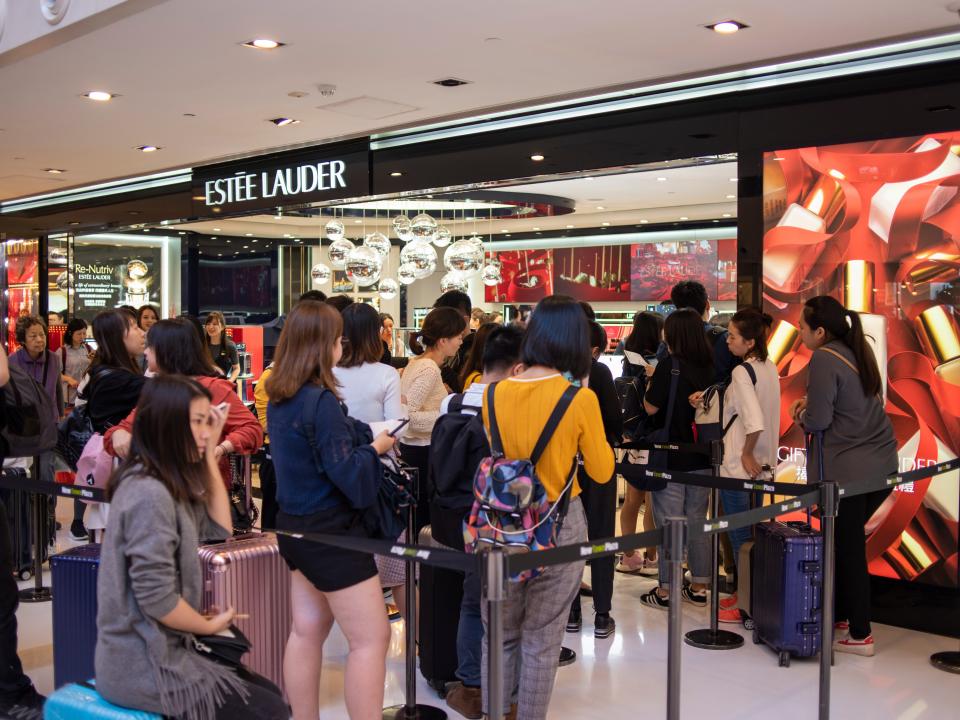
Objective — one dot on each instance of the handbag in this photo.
(73, 434)
(656, 459)
(223, 649)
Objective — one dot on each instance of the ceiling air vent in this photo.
(451, 82)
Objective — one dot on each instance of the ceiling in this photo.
(651, 196)
(186, 84)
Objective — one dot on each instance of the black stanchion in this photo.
(38, 504)
(495, 594)
(828, 513)
(674, 531)
(410, 710)
(713, 638)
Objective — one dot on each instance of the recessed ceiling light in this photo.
(503, 230)
(147, 148)
(229, 241)
(684, 217)
(569, 226)
(213, 237)
(54, 171)
(264, 44)
(600, 207)
(216, 229)
(605, 224)
(661, 179)
(726, 215)
(537, 157)
(282, 121)
(357, 222)
(727, 27)
(181, 233)
(219, 254)
(536, 228)
(146, 229)
(733, 179)
(246, 247)
(644, 222)
(731, 197)
(249, 234)
(99, 95)
(73, 222)
(396, 173)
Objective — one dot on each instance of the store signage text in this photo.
(280, 183)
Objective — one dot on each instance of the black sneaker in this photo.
(653, 599)
(574, 620)
(697, 599)
(603, 626)
(78, 533)
(28, 707)
(567, 656)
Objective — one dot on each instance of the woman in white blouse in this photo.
(371, 391)
(423, 390)
(753, 397)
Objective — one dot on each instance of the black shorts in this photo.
(328, 568)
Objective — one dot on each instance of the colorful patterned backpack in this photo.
(510, 507)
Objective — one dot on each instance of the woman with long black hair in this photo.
(844, 405)
(165, 497)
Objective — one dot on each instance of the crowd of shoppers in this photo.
(334, 375)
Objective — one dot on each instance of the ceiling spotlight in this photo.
(246, 247)
(537, 157)
(644, 222)
(503, 230)
(733, 179)
(248, 234)
(54, 171)
(600, 207)
(73, 222)
(263, 44)
(605, 224)
(726, 215)
(147, 148)
(99, 95)
(357, 222)
(727, 27)
(536, 228)
(569, 226)
(216, 229)
(684, 217)
(661, 179)
(281, 121)
(396, 173)
(731, 197)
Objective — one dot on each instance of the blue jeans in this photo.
(470, 631)
(736, 501)
(691, 501)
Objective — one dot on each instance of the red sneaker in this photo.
(728, 602)
(848, 644)
(730, 615)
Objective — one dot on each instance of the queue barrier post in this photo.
(829, 500)
(410, 710)
(674, 531)
(713, 638)
(495, 594)
(38, 504)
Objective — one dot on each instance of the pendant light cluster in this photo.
(364, 263)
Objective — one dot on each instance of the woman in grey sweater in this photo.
(167, 496)
(844, 404)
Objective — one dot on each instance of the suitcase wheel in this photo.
(784, 659)
(756, 635)
(25, 574)
(748, 623)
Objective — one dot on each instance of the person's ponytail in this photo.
(856, 340)
(415, 345)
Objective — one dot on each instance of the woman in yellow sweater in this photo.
(556, 351)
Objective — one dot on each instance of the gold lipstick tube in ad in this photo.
(940, 336)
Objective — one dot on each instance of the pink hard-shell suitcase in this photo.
(248, 574)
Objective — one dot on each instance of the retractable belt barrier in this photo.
(695, 448)
(44, 487)
(717, 482)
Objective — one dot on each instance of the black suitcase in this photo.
(20, 520)
(74, 575)
(441, 592)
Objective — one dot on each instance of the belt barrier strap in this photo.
(16, 481)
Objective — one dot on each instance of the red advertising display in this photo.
(656, 267)
(593, 273)
(526, 276)
(877, 225)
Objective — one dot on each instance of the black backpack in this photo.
(30, 426)
(457, 445)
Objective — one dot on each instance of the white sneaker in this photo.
(848, 644)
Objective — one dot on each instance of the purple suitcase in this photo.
(248, 574)
(787, 588)
(74, 579)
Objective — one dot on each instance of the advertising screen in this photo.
(105, 277)
(877, 226)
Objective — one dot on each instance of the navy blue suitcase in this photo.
(74, 579)
(787, 588)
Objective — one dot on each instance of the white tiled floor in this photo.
(624, 677)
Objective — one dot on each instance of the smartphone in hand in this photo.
(399, 427)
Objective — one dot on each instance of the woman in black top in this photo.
(222, 349)
(691, 358)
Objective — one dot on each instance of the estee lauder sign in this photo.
(282, 184)
(279, 180)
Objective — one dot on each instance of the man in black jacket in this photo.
(18, 697)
